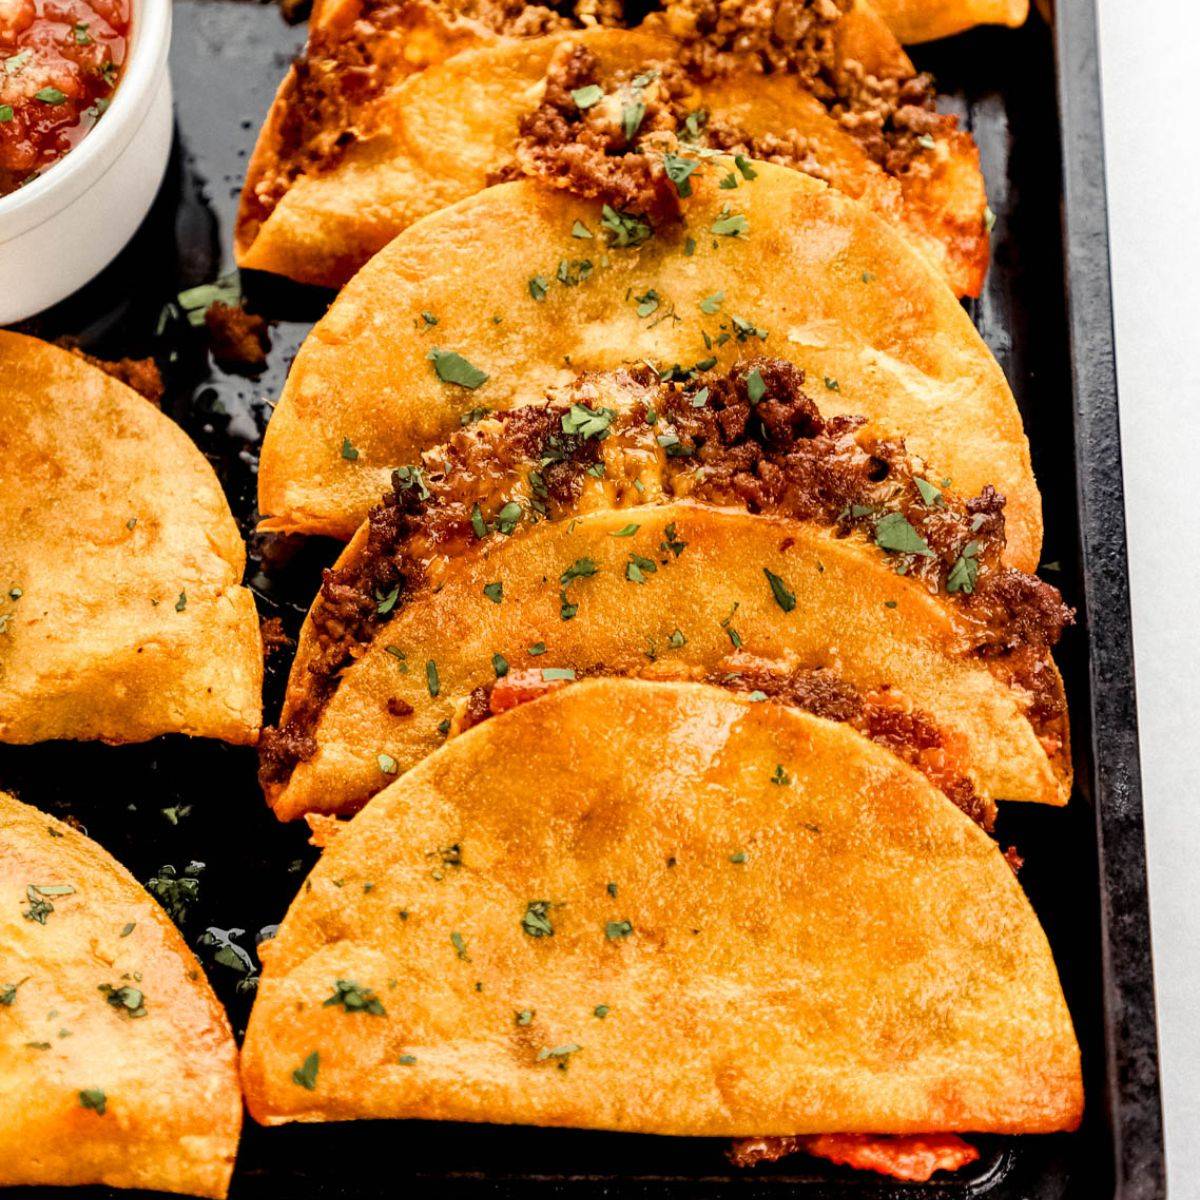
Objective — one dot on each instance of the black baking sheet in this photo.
(175, 802)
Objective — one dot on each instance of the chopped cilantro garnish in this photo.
(586, 422)
(537, 648)
(930, 494)
(94, 1099)
(781, 778)
(625, 531)
(124, 998)
(494, 591)
(601, 1011)
(181, 602)
(580, 230)
(451, 367)
(894, 534)
(711, 304)
(730, 224)
(50, 95)
(407, 1060)
(738, 856)
(499, 665)
(536, 921)
(524, 1017)
(354, 998)
(539, 285)
(784, 596)
(349, 450)
(743, 165)
(306, 1074)
(756, 389)
(460, 946)
(581, 568)
(965, 571)
(387, 764)
(384, 603)
(679, 171)
(431, 678)
(639, 567)
(586, 97)
(624, 229)
(632, 116)
(616, 930)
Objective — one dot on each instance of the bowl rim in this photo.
(66, 180)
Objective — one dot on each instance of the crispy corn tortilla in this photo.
(442, 130)
(90, 1093)
(789, 932)
(924, 20)
(853, 614)
(834, 288)
(121, 615)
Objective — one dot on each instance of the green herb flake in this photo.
(989, 219)
(562, 1052)
(894, 534)
(615, 931)
(712, 304)
(127, 929)
(305, 1075)
(387, 764)
(632, 116)
(584, 422)
(624, 229)
(536, 921)
(601, 1011)
(349, 450)
(539, 285)
(639, 567)
(756, 389)
(781, 778)
(832, 384)
(94, 1099)
(524, 1017)
(730, 224)
(354, 998)
(586, 97)
(784, 596)
(384, 603)
(679, 171)
(126, 999)
(743, 165)
(460, 946)
(451, 367)
(431, 678)
(494, 591)
(738, 857)
(625, 531)
(930, 494)
(965, 571)
(407, 1060)
(538, 648)
(581, 568)
(181, 602)
(499, 665)
(50, 95)
(6, 113)
(580, 230)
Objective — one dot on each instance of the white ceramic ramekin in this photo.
(66, 226)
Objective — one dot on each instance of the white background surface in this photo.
(1150, 64)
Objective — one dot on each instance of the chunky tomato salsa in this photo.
(59, 63)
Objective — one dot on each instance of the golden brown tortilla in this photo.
(833, 287)
(121, 615)
(853, 615)
(924, 20)
(658, 908)
(441, 132)
(117, 1064)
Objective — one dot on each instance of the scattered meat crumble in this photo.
(772, 454)
(141, 374)
(237, 338)
(274, 639)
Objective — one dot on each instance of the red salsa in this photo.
(59, 63)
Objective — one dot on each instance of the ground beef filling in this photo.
(348, 64)
(749, 438)
(882, 715)
(599, 149)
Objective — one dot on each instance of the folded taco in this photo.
(121, 615)
(485, 304)
(923, 20)
(117, 1064)
(665, 908)
(715, 529)
(584, 109)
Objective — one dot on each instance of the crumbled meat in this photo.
(1014, 859)
(237, 338)
(889, 114)
(280, 749)
(914, 1158)
(141, 374)
(775, 454)
(399, 708)
(274, 639)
